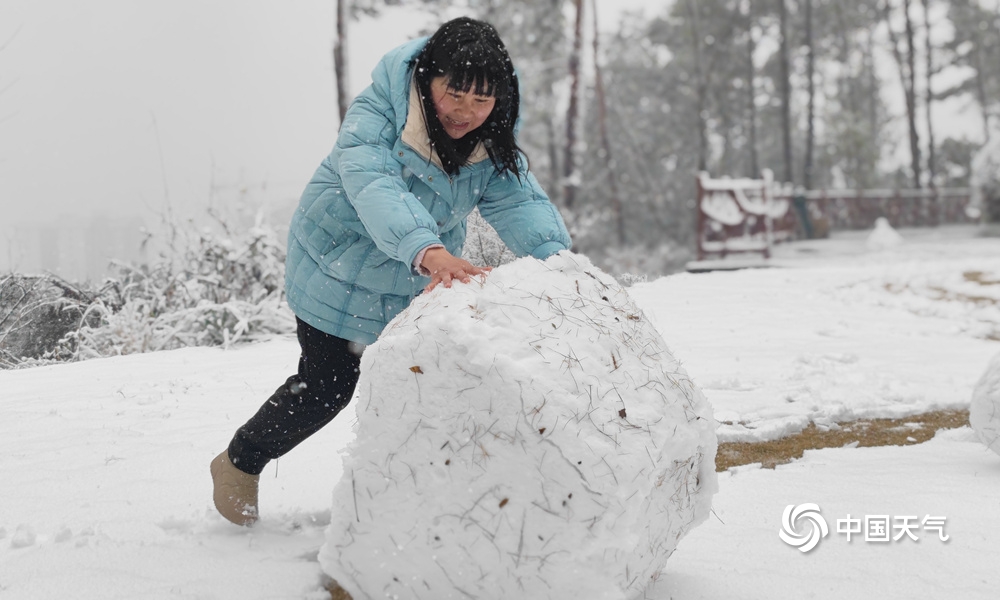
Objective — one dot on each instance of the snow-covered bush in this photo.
(635, 264)
(212, 289)
(36, 312)
(483, 246)
(984, 413)
(218, 290)
(985, 180)
(525, 436)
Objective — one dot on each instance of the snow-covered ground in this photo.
(105, 493)
(849, 333)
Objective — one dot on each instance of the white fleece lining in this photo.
(415, 133)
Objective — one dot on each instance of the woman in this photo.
(383, 218)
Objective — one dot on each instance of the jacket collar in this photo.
(416, 136)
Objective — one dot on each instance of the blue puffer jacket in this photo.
(381, 197)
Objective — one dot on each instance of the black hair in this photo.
(472, 56)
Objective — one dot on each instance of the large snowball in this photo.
(984, 413)
(526, 437)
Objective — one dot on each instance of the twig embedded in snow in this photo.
(354, 492)
(526, 461)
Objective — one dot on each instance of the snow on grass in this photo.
(739, 556)
(104, 480)
(776, 349)
(105, 492)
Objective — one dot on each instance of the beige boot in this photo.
(235, 491)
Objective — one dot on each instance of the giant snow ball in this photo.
(528, 435)
(984, 413)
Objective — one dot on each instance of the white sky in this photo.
(236, 92)
(116, 107)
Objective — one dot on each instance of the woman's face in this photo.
(459, 112)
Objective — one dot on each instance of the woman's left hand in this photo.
(445, 268)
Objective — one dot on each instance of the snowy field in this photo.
(105, 492)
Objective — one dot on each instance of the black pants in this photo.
(308, 400)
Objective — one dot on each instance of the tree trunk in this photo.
(570, 176)
(340, 59)
(908, 77)
(751, 91)
(848, 95)
(552, 148)
(873, 83)
(701, 84)
(786, 93)
(911, 101)
(811, 86)
(977, 64)
(929, 97)
(602, 117)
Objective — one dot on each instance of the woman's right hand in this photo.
(445, 268)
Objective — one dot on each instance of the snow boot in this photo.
(235, 492)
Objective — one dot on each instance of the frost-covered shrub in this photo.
(635, 264)
(36, 312)
(527, 436)
(212, 289)
(483, 246)
(220, 289)
(985, 180)
(984, 413)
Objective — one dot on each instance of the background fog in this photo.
(115, 114)
(118, 116)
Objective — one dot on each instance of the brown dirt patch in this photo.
(337, 592)
(979, 277)
(866, 432)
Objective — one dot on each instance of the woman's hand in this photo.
(445, 268)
